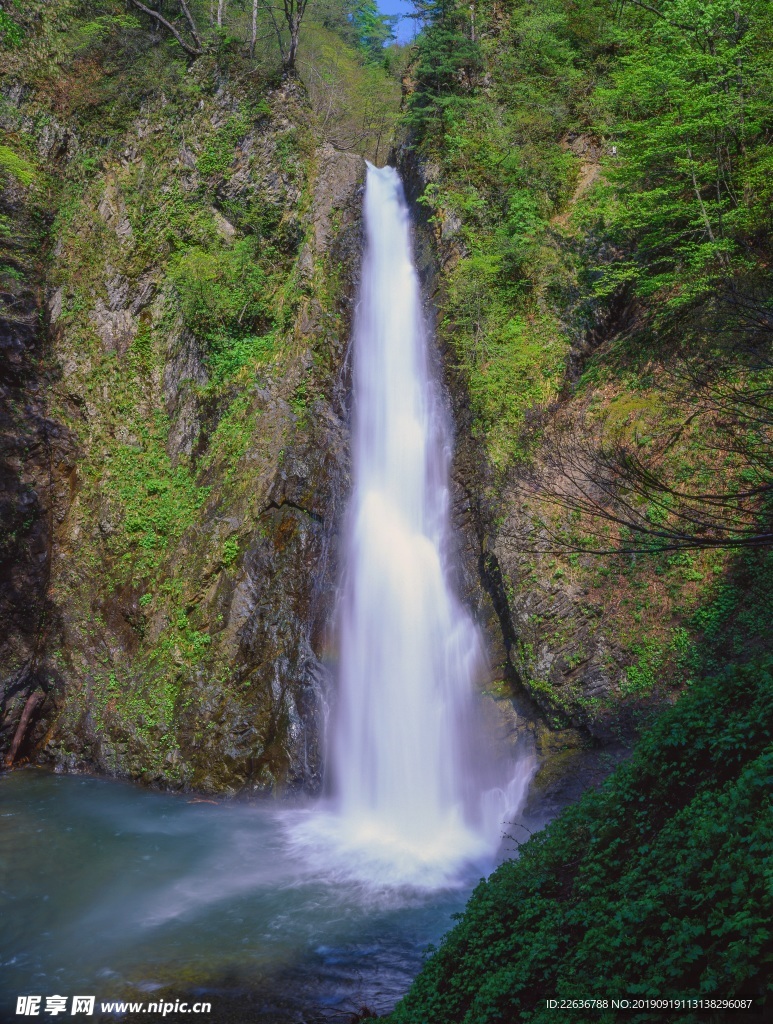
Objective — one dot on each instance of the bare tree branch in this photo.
(598, 476)
(194, 51)
(270, 10)
(294, 11)
(191, 23)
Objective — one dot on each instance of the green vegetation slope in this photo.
(597, 180)
(656, 886)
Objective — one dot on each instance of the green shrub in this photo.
(220, 150)
(227, 300)
(221, 291)
(656, 885)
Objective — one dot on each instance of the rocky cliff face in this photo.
(25, 454)
(176, 432)
(551, 655)
(569, 754)
(171, 494)
(587, 648)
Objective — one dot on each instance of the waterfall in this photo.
(416, 794)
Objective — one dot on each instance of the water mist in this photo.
(417, 796)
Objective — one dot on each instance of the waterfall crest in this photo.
(415, 795)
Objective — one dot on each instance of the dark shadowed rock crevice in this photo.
(28, 449)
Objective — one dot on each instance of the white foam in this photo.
(417, 797)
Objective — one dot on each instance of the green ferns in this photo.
(226, 299)
(217, 156)
(660, 884)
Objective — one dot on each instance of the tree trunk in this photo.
(32, 702)
(294, 11)
(295, 31)
(194, 51)
(220, 8)
(254, 37)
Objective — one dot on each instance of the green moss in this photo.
(218, 153)
(15, 166)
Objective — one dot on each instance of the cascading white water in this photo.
(415, 795)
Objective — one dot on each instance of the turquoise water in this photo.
(120, 892)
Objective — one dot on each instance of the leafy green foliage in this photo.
(359, 23)
(153, 502)
(504, 177)
(11, 32)
(655, 885)
(689, 111)
(373, 30)
(230, 551)
(447, 64)
(580, 154)
(219, 152)
(355, 100)
(587, 149)
(224, 296)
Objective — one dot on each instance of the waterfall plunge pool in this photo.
(122, 892)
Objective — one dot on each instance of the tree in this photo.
(449, 61)
(355, 101)
(192, 46)
(293, 11)
(254, 27)
(691, 105)
(622, 501)
(373, 29)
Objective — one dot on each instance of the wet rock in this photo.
(112, 210)
(546, 651)
(215, 673)
(116, 328)
(183, 372)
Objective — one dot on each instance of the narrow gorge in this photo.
(385, 502)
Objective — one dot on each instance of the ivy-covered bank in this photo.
(185, 240)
